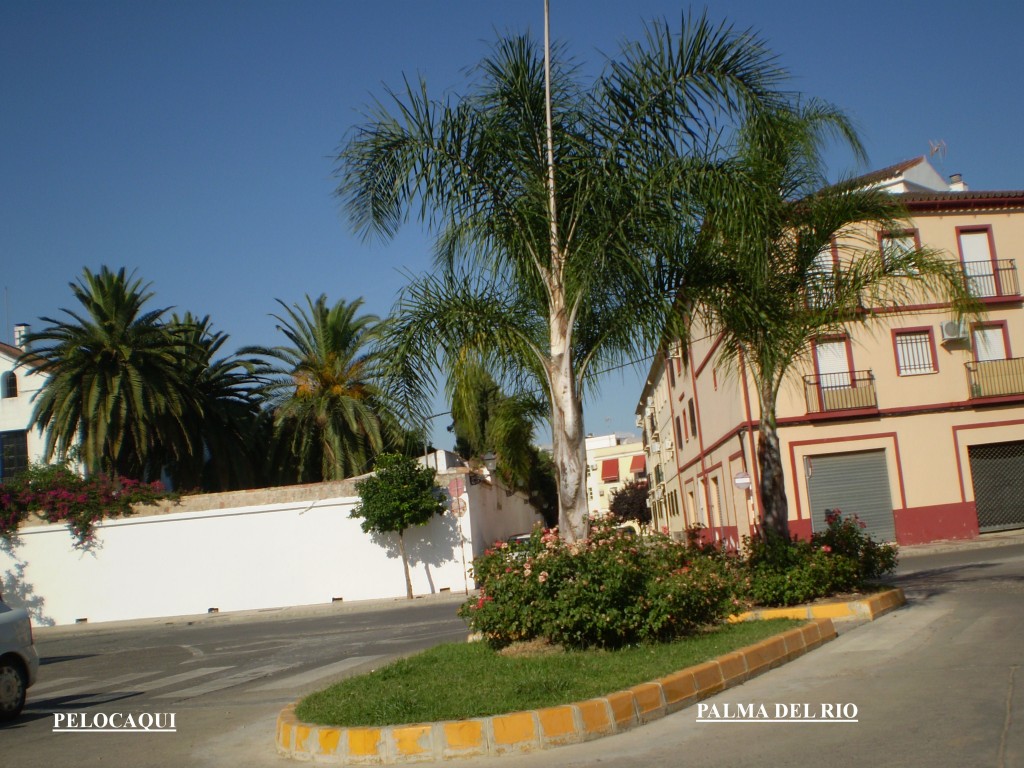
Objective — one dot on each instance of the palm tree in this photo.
(330, 416)
(223, 425)
(761, 275)
(115, 393)
(556, 208)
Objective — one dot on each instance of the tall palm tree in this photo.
(761, 274)
(115, 391)
(556, 207)
(330, 416)
(223, 425)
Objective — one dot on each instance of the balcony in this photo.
(995, 378)
(992, 279)
(830, 392)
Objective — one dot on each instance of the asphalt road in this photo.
(938, 683)
(223, 677)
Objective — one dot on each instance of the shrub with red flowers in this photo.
(608, 591)
(842, 558)
(61, 496)
(846, 536)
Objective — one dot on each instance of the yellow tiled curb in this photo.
(869, 608)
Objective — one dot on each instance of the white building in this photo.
(18, 385)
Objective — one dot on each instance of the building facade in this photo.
(612, 463)
(19, 445)
(912, 419)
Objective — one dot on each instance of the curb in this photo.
(544, 728)
(869, 608)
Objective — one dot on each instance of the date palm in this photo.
(115, 395)
(558, 208)
(330, 416)
(223, 422)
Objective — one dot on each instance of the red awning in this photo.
(638, 464)
(609, 470)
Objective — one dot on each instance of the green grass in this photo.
(462, 680)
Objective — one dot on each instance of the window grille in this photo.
(914, 353)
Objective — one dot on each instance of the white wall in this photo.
(289, 552)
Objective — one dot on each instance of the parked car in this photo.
(19, 662)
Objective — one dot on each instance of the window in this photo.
(979, 268)
(821, 278)
(671, 372)
(9, 385)
(13, 453)
(693, 417)
(915, 352)
(989, 342)
(679, 432)
(833, 363)
(896, 246)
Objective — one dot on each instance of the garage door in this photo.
(997, 470)
(856, 483)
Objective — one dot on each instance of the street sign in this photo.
(742, 481)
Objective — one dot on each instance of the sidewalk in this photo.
(283, 613)
(984, 541)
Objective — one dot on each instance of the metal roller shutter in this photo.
(855, 483)
(997, 471)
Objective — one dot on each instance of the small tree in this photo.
(399, 495)
(630, 503)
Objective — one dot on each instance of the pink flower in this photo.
(542, 576)
(826, 548)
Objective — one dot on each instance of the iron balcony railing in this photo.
(845, 391)
(994, 378)
(988, 279)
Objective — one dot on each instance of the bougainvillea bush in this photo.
(608, 591)
(59, 495)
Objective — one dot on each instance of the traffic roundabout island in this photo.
(534, 730)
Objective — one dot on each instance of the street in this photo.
(224, 677)
(935, 684)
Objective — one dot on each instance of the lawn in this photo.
(462, 680)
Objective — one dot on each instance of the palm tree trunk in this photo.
(405, 566)
(772, 485)
(568, 446)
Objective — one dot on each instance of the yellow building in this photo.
(612, 462)
(912, 420)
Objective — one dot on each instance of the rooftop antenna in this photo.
(937, 147)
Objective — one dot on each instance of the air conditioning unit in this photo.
(675, 350)
(655, 447)
(954, 330)
(639, 420)
(668, 446)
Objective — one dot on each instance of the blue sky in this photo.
(192, 140)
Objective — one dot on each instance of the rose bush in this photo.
(842, 558)
(608, 591)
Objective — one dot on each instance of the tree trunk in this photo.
(773, 488)
(568, 447)
(405, 566)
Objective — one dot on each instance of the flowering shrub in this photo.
(845, 536)
(608, 591)
(61, 496)
(842, 558)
